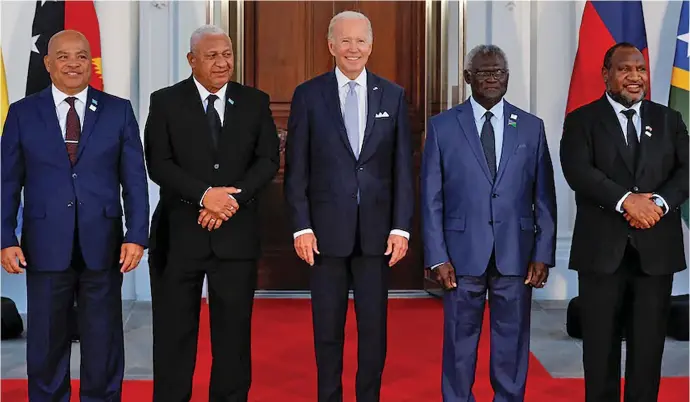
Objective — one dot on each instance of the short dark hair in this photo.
(609, 53)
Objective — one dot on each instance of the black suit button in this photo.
(636, 188)
(216, 166)
(354, 195)
(360, 168)
(491, 222)
(74, 175)
(70, 204)
(494, 195)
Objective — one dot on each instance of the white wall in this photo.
(144, 46)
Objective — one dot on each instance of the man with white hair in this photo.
(211, 146)
(489, 226)
(348, 184)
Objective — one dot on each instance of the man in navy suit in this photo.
(489, 224)
(72, 149)
(348, 184)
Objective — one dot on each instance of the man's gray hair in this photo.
(203, 31)
(349, 15)
(484, 50)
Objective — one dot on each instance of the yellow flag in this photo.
(4, 99)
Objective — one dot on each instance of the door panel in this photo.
(285, 45)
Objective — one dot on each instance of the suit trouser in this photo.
(626, 299)
(176, 299)
(50, 301)
(509, 311)
(331, 278)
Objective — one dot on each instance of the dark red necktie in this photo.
(73, 130)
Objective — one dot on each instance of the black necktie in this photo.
(489, 143)
(631, 135)
(213, 119)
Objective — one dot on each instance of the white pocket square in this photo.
(381, 114)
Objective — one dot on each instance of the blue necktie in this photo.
(351, 117)
(489, 143)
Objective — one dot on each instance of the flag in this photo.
(52, 17)
(4, 98)
(604, 23)
(680, 78)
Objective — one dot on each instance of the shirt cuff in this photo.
(402, 233)
(201, 201)
(436, 266)
(662, 200)
(301, 232)
(619, 206)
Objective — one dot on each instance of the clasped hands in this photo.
(640, 211)
(219, 206)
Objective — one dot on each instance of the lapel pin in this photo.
(512, 123)
(93, 108)
(648, 131)
(230, 101)
(94, 101)
(513, 117)
(375, 88)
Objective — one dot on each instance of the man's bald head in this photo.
(69, 61)
(66, 35)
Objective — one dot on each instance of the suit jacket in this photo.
(466, 214)
(60, 198)
(322, 176)
(592, 155)
(184, 163)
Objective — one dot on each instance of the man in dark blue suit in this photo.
(489, 223)
(348, 183)
(72, 148)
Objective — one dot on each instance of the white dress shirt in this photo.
(361, 90)
(637, 122)
(62, 107)
(496, 121)
(220, 102)
(219, 105)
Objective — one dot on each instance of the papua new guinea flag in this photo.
(51, 17)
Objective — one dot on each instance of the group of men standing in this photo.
(487, 201)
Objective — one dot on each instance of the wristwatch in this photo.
(657, 200)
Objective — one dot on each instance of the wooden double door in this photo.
(284, 45)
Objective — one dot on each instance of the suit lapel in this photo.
(196, 113)
(613, 128)
(510, 136)
(91, 113)
(647, 143)
(469, 129)
(332, 99)
(48, 113)
(374, 95)
(230, 120)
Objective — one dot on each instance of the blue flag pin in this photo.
(230, 101)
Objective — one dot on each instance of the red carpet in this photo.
(284, 368)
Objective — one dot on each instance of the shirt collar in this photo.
(618, 108)
(59, 96)
(361, 80)
(478, 110)
(204, 93)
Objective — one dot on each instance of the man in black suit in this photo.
(626, 158)
(348, 183)
(211, 146)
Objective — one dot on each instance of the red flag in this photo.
(604, 23)
(81, 16)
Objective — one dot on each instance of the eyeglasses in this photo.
(497, 74)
